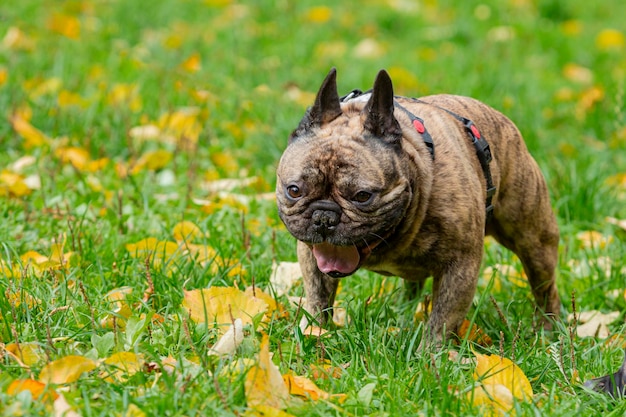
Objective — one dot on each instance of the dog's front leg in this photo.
(453, 292)
(319, 288)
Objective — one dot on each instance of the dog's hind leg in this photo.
(529, 229)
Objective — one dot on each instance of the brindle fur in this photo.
(429, 212)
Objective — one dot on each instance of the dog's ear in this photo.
(380, 120)
(326, 107)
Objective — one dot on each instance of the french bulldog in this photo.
(410, 188)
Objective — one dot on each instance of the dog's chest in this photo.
(410, 271)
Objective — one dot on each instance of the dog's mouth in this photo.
(341, 261)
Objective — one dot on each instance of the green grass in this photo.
(253, 56)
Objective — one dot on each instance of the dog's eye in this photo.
(294, 192)
(362, 197)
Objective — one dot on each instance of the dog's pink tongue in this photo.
(331, 258)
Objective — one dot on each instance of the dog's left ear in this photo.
(325, 109)
(380, 120)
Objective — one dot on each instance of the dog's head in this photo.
(342, 187)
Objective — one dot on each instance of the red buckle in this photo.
(419, 126)
(475, 131)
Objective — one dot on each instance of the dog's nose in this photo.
(326, 215)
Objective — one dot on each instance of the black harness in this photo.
(483, 152)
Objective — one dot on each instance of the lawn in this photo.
(137, 165)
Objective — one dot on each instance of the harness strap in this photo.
(483, 152)
(418, 124)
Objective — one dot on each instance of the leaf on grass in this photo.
(497, 272)
(193, 63)
(474, 334)
(266, 411)
(496, 399)
(610, 39)
(63, 409)
(314, 331)
(304, 387)
(500, 383)
(594, 323)
(181, 127)
(65, 370)
(151, 246)
(621, 223)
(27, 354)
(124, 364)
(120, 307)
(613, 385)
(493, 369)
(186, 231)
(32, 136)
(592, 239)
(134, 411)
(284, 275)
(13, 185)
(264, 385)
(228, 343)
(152, 161)
(222, 305)
(38, 390)
(68, 26)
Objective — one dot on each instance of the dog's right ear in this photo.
(325, 109)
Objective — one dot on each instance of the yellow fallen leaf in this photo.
(192, 64)
(181, 127)
(266, 411)
(32, 136)
(222, 305)
(68, 26)
(77, 157)
(318, 14)
(577, 73)
(495, 370)
(134, 411)
(152, 161)
(125, 95)
(66, 370)
(4, 76)
(28, 353)
(304, 387)
(37, 389)
(186, 231)
(152, 247)
(121, 308)
(125, 364)
(14, 185)
(201, 253)
(264, 385)
(610, 39)
(495, 399)
(314, 331)
(262, 295)
(592, 239)
(17, 40)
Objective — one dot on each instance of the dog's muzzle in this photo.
(325, 216)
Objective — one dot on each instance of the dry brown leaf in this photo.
(283, 276)
(594, 323)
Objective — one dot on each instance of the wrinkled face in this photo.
(339, 191)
